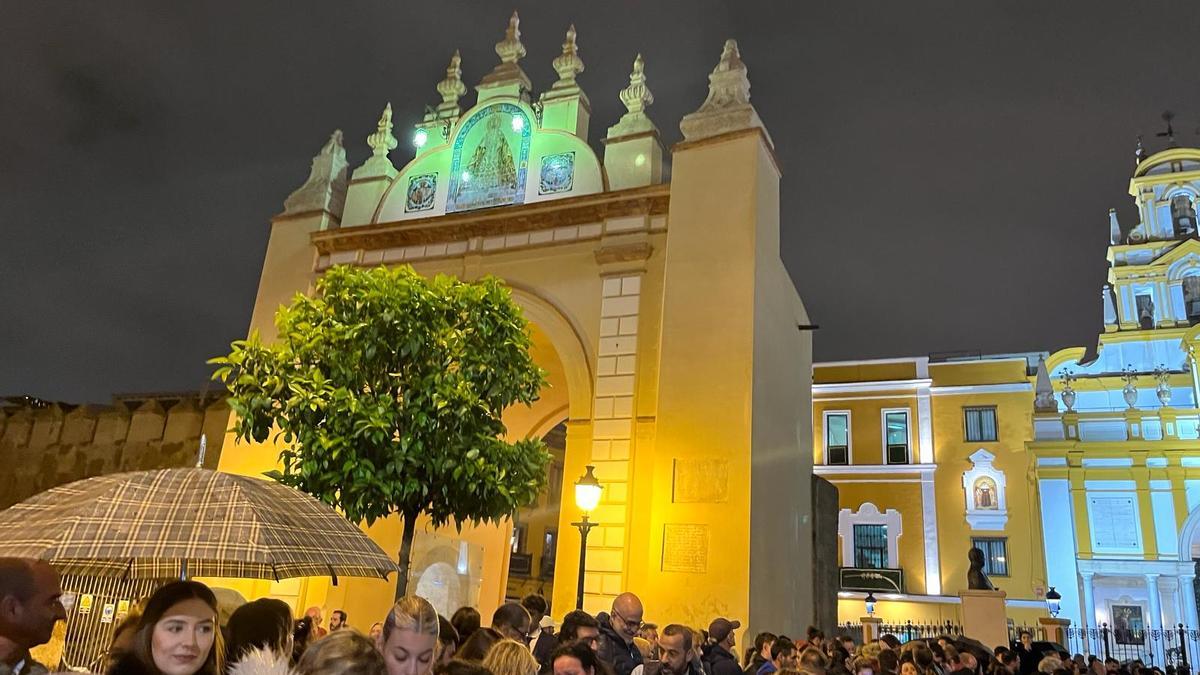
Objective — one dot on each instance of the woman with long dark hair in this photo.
(176, 635)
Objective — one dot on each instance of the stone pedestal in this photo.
(1056, 629)
(984, 617)
(872, 629)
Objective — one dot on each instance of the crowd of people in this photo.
(182, 630)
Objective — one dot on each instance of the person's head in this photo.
(762, 644)
(908, 668)
(466, 621)
(447, 640)
(889, 641)
(889, 661)
(864, 666)
(537, 607)
(262, 624)
(783, 653)
(1010, 660)
(337, 619)
(951, 657)
(302, 634)
(314, 613)
(813, 659)
(476, 648)
(579, 626)
(1026, 639)
(675, 647)
(122, 639)
(847, 643)
(409, 637)
(344, 652)
(574, 658)
(512, 621)
(1049, 664)
(923, 657)
(627, 616)
(30, 601)
(177, 633)
(1112, 665)
(459, 667)
(721, 631)
(649, 632)
(968, 660)
(509, 657)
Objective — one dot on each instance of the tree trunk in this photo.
(410, 529)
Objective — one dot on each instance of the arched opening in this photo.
(534, 539)
(1183, 216)
(1191, 298)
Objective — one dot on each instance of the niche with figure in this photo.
(983, 491)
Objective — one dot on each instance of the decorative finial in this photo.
(727, 107)
(637, 95)
(452, 88)
(325, 189)
(568, 64)
(1114, 228)
(1043, 400)
(510, 49)
(382, 141)
(1139, 153)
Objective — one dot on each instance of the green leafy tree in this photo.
(387, 389)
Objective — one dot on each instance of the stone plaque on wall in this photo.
(1114, 522)
(685, 548)
(701, 481)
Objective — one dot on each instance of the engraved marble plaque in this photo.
(1114, 522)
(701, 481)
(685, 548)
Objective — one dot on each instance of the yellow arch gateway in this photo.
(661, 311)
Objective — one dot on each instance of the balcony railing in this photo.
(1129, 425)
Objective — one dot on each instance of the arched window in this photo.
(1183, 216)
(1191, 298)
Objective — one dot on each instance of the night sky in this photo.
(948, 168)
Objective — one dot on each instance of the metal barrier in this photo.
(1153, 647)
(906, 631)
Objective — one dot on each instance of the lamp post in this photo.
(587, 496)
(1053, 602)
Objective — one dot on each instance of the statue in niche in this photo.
(985, 494)
(977, 579)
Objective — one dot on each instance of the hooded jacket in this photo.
(718, 661)
(621, 655)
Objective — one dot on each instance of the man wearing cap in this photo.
(718, 653)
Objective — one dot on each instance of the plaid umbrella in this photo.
(157, 524)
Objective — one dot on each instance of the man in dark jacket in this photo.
(617, 631)
(677, 653)
(30, 605)
(762, 652)
(718, 654)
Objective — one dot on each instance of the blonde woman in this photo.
(509, 657)
(409, 638)
(342, 652)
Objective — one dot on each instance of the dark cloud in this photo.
(948, 167)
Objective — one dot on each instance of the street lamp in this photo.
(1053, 602)
(870, 600)
(587, 496)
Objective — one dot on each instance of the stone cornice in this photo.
(649, 200)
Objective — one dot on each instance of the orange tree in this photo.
(386, 389)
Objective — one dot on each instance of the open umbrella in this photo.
(171, 522)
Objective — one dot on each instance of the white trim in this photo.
(933, 565)
(939, 599)
(869, 514)
(859, 362)
(1003, 388)
(823, 470)
(988, 520)
(908, 428)
(889, 481)
(924, 428)
(864, 398)
(825, 436)
(877, 385)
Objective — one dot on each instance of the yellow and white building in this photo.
(1116, 449)
(928, 456)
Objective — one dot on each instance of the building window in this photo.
(870, 546)
(549, 551)
(1183, 216)
(518, 538)
(1145, 310)
(980, 424)
(837, 438)
(995, 555)
(1191, 298)
(895, 427)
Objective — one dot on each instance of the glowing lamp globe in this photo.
(420, 138)
(1053, 602)
(870, 601)
(587, 491)
(518, 123)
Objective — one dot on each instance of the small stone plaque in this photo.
(701, 481)
(685, 548)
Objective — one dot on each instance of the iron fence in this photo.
(905, 632)
(1153, 647)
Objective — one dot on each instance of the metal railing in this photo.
(1154, 647)
(904, 632)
